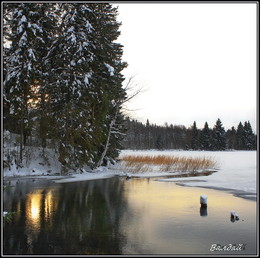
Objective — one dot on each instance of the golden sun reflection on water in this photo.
(33, 205)
(39, 206)
(166, 215)
(166, 196)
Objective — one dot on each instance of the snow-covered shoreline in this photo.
(237, 173)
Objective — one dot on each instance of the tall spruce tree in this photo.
(231, 138)
(71, 92)
(64, 62)
(109, 78)
(218, 136)
(23, 71)
(195, 145)
(240, 137)
(250, 143)
(50, 22)
(205, 138)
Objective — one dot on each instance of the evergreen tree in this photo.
(23, 71)
(205, 138)
(240, 137)
(195, 145)
(231, 138)
(71, 92)
(148, 135)
(159, 142)
(178, 137)
(108, 78)
(218, 136)
(250, 143)
(64, 69)
(50, 21)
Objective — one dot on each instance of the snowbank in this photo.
(39, 162)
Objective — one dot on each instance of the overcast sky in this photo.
(197, 62)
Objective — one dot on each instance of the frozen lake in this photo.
(236, 173)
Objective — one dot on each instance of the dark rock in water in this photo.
(128, 177)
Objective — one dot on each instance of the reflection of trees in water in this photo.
(88, 217)
(84, 218)
(24, 197)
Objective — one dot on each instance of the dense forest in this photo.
(152, 136)
(63, 89)
(63, 81)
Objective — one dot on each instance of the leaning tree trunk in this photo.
(107, 142)
(113, 121)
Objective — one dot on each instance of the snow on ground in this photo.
(237, 169)
(39, 163)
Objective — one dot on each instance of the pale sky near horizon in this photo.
(197, 62)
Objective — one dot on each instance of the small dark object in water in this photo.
(233, 216)
(203, 211)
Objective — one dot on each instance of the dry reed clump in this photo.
(138, 163)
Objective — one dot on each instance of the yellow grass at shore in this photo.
(163, 163)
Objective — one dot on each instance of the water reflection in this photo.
(33, 203)
(75, 218)
(115, 216)
(168, 220)
(40, 205)
(203, 211)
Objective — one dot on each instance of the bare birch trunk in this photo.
(108, 136)
(107, 143)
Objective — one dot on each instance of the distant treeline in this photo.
(152, 136)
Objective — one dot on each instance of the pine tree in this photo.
(70, 89)
(231, 138)
(64, 68)
(205, 138)
(50, 21)
(159, 142)
(218, 136)
(195, 137)
(109, 79)
(23, 70)
(240, 137)
(249, 137)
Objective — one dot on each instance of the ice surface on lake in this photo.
(237, 169)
